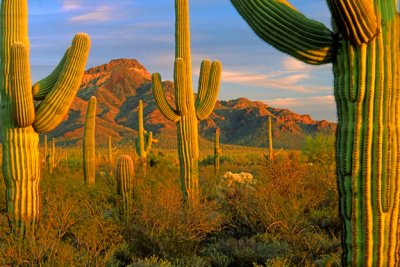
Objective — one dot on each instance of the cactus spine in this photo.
(271, 149)
(89, 143)
(21, 123)
(217, 151)
(125, 175)
(144, 140)
(364, 50)
(188, 111)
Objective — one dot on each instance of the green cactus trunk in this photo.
(188, 111)
(46, 148)
(217, 151)
(144, 140)
(89, 143)
(21, 123)
(270, 144)
(365, 54)
(125, 174)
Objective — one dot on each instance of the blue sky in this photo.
(144, 30)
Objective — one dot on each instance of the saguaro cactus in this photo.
(217, 151)
(144, 140)
(125, 175)
(364, 50)
(21, 121)
(110, 152)
(270, 144)
(188, 111)
(89, 143)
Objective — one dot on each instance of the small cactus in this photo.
(217, 152)
(110, 159)
(125, 175)
(271, 154)
(144, 140)
(89, 143)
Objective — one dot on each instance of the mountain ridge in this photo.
(119, 84)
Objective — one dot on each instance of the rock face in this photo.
(120, 84)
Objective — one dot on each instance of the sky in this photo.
(144, 30)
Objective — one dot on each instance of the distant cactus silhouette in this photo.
(21, 121)
(270, 142)
(188, 110)
(217, 151)
(144, 140)
(89, 143)
(364, 50)
(125, 175)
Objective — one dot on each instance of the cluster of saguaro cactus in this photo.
(21, 121)
(144, 140)
(217, 151)
(364, 50)
(270, 144)
(125, 175)
(89, 143)
(188, 111)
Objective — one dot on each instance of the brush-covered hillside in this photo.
(121, 83)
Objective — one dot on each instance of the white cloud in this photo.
(328, 100)
(102, 13)
(285, 81)
(68, 5)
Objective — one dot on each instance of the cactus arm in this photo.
(203, 80)
(355, 19)
(206, 105)
(161, 101)
(23, 108)
(56, 104)
(180, 79)
(44, 86)
(280, 25)
(149, 142)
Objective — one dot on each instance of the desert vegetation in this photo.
(285, 216)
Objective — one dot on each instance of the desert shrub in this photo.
(209, 160)
(79, 226)
(320, 149)
(163, 226)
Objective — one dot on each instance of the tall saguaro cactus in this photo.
(144, 140)
(125, 175)
(364, 50)
(21, 120)
(188, 111)
(89, 143)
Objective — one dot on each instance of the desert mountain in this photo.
(120, 84)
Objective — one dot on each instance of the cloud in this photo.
(279, 80)
(100, 14)
(301, 102)
(68, 5)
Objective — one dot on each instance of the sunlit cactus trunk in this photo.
(89, 143)
(270, 141)
(364, 50)
(144, 140)
(125, 175)
(21, 122)
(188, 111)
